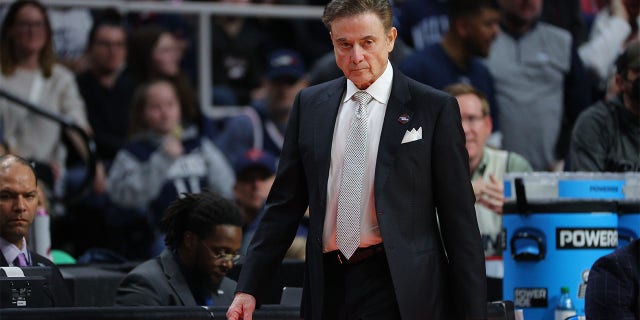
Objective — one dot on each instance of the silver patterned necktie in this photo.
(351, 198)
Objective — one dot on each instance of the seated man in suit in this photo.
(614, 281)
(203, 236)
(18, 204)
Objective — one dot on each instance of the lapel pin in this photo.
(404, 118)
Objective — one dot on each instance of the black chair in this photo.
(290, 274)
(500, 310)
(291, 297)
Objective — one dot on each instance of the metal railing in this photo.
(67, 123)
(204, 12)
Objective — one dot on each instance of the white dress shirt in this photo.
(11, 252)
(380, 91)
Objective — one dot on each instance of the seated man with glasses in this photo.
(488, 166)
(203, 236)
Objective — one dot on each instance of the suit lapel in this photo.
(3, 261)
(176, 278)
(392, 129)
(326, 112)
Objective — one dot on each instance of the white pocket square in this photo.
(412, 135)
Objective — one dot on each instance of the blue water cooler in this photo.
(556, 227)
(628, 222)
(629, 210)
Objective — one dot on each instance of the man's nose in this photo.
(227, 264)
(20, 204)
(256, 183)
(495, 30)
(357, 54)
(466, 127)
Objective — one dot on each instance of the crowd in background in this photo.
(129, 81)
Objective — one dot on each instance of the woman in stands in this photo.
(154, 52)
(164, 158)
(29, 70)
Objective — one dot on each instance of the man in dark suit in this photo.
(614, 284)
(417, 252)
(203, 240)
(18, 204)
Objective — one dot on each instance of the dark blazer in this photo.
(160, 282)
(36, 261)
(60, 291)
(613, 287)
(411, 181)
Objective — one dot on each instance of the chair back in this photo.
(500, 310)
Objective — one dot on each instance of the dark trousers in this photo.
(362, 290)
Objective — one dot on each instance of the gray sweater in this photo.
(529, 73)
(606, 138)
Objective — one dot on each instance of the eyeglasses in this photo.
(473, 120)
(26, 25)
(110, 44)
(222, 254)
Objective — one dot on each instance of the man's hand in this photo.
(618, 9)
(490, 193)
(100, 179)
(242, 307)
(172, 146)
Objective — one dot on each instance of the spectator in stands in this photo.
(18, 203)
(29, 71)
(295, 33)
(105, 88)
(612, 29)
(607, 135)
(613, 292)
(181, 26)
(263, 126)
(473, 25)
(567, 15)
(154, 53)
(540, 84)
(255, 171)
(70, 27)
(164, 159)
(488, 166)
(107, 92)
(237, 57)
(202, 243)
(421, 22)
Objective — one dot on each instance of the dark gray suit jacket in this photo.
(160, 282)
(433, 278)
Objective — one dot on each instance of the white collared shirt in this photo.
(11, 252)
(380, 91)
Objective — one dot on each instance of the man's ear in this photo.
(189, 240)
(461, 27)
(391, 38)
